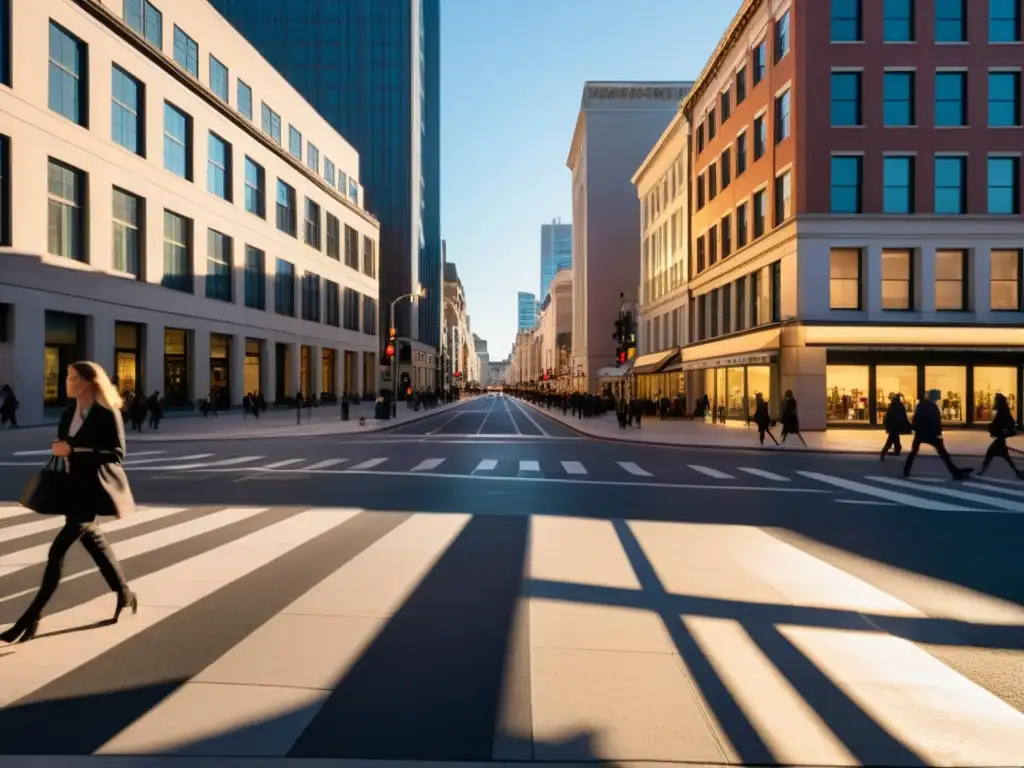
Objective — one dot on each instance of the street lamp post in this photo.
(418, 293)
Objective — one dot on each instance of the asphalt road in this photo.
(418, 547)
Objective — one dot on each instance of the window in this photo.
(951, 281)
(741, 304)
(741, 225)
(255, 278)
(727, 309)
(284, 288)
(950, 99)
(782, 118)
(950, 21)
(369, 258)
(701, 254)
(1005, 281)
(898, 184)
(312, 225)
(1003, 99)
(725, 226)
(759, 214)
(846, 97)
(775, 275)
(177, 141)
(759, 61)
(845, 21)
(700, 138)
(66, 212)
(270, 122)
(68, 80)
(701, 198)
(5, 44)
(950, 186)
(741, 85)
(5, 190)
(712, 181)
(294, 143)
(713, 246)
(1003, 189)
(218, 167)
(844, 278)
(186, 52)
(332, 303)
(244, 99)
(754, 280)
(141, 16)
(255, 188)
(127, 242)
(781, 37)
(1004, 21)
(898, 99)
(712, 130)
(351, 248)
(177, 253)
(311, 297)
(333, 237)
(369, 315)
(350, 314)
(846, 193)
(218, 266)
(741, 154)
(760, 137)
(329, 171)
(898, 21)
(726, 165)
(783, 198)
(724, 105)
(897, 280)
(353, 191)
(313, 157)
(126, 127)
(287, 219)
(219, 79)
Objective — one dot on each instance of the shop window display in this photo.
(891, 380)
(759, 379)
(987, 383)
(735, 404)
(846, 395)
(951, 381)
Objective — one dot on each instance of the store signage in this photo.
(726, 362)
(633, 92)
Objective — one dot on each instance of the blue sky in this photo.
(512, 74)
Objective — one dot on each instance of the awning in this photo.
(757, 348)
(615, 373)
(654, 362)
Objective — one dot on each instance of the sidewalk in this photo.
(697, 434)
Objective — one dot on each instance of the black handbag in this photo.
(47, 493)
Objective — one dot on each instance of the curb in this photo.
(703, 447)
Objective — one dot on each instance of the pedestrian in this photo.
(90, 447)
(928, 431)
(1003, 426)
(8, 406)
(896, 423)
(762, 419)
(789, 418)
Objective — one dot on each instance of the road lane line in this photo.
(486, 465)
(764, 473)
(192, 457)
(326, 463)
(981, 486)
(573, 468)
(711, 472)
(283, 463)
(885, 494)
(209, 464)
(529, 466)
(511, 418)
(526, 413)
(428, 464)
(1002, 504)
(1017, 483)
(633, 469)
(368, 464)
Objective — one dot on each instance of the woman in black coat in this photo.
(1003, 426)
(789, 419)
(90, 445)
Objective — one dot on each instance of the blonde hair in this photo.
(103, 388)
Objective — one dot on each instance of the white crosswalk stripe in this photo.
(132, 462)
(633, 469)
(486, 465)
(574, 468)
(764, 474)
(282, 464)
(368, 464)
(1004, 504)
(885, 494)
(326, 464)
(711, 472)
(529, 466)
(427, 465)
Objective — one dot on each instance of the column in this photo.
(152, 359)
(236, 370)
(293, 361)
(359, 372)
(99, 342)
(924, 279)
(339, 372)
(200, 364)
(268, 370)
(29, 351)
(316, 364)
(871, 285)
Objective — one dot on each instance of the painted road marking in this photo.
(764, 473)
(284, 463)
(428, 464)
(192, 457)
(486, 465)
(369, 464)
(886, 495)
(711, 472)
(1003, 504)
(326, 463)
(574, 468)
(529, 466)
(633, 469)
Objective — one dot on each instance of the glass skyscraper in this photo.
(372, 69)
(555, 253)
(527, 310)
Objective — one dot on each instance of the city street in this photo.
(487, 585)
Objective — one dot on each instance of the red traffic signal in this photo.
(622, 357)
(389, 350)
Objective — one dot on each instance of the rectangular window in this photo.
(294, 143)
(950, 21)
(726, 166)
(846, 193)
(846, 98)
(177, 253)
(66, 212)
(1003, 186)
(350, 313)
(846, 21)
(898, 184)
(712, 313)
(724, 105)
(701, 253)
(725, 226)
(255, 188)
(950, 186)
(329, 172)
(713, 246)
(1005, 281)
(782, 118)
(369, 315)
(741, 85)
(68, 83)
(177, 141)
(898, 21)
(332, 303)
(700, 138)
(244, 99)
(1004, 21)
(740, 307)
(1003, 99)
(950, 99)
(727, 309)
(775, 275)
(760, 61)
(333, 237)
(145, 19)
(127, 228)
(741, 225)
(5, 190)
(844, 278)
(284, 288)
(741, 154)
(5, 43)
(898, 99)
(311, 297)
(754, 280)
(759, 214)
(219, 79)
(127, 99)
(897, 280)
(783, 198)
(712, 181)
(311, 225)
(781, 37)
(351, 248)
(255, 278)
(218, 167)
(701, 198)
(951, 281)
(760, 137)
(218, 266)
(270, 122)
(712, 130)
(287, 216)
(313, 157)
(369, 258)
(186, 52)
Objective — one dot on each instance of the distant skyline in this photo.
(512, 75)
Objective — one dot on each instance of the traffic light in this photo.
(628, 335)
(621, 359)
(389, 350)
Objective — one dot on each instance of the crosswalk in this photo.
(313, 632)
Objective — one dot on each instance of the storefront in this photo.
(251, 372)
(176, 367)
(350, 374)
(65, 337)
(305, 366)
(127, 356)
(654, 381)
(327, 382)
(731, 385)
(220, 370)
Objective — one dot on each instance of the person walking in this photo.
(1003, 426)
(762, 419)
(90, 445)
(789, 419)
(8, 406)
(928, 431)
(896, 423)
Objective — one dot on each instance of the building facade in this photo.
(555, 253)
(456, 323)
(483, 361)
(554, 329)
(856, 226)
(372, 69)
(617, 125)
(526, 310)
(139, 148)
